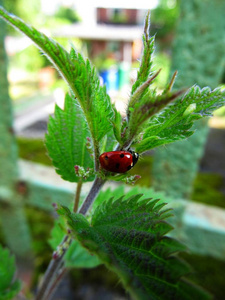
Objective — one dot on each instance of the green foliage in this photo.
(146, 60)
(117, 126)
(76, 256)
(9, 287)
(122, 190)
(175, 121)
(66, 140)
(165, 124)
(93, 98)
(145, 102)
(164, 18)
(81, 77)
(68, 14)
(32, 13)
(146, 105)
(149, 123)
(108, 142)
(129, 237)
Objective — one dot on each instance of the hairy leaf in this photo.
(146, 60)
(81, 77)
(175, 121)
(66, 140)
(144, 101)
(136, 109)
(76, 256)
(9, 287)
(129, 237)
(148, 105)
(94, 99)
(141, 91)
(122, 189)
(117, 126)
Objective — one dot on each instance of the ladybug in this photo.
(118, 161)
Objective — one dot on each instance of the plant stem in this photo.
(51, 279)
(77, 196)
(51, 273)
(56, 282)
(97, 185)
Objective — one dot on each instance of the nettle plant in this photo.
(127, 233)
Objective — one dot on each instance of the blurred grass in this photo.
(33, 150)
(207, 188)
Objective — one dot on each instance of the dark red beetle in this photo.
(118, 161)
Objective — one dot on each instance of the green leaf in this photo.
(66, 140)
(81, 77)
(117, 125)
(141, 91)
(145, 102)
(146, 61)
(176, 120)
(9, 287)
(93, 97)
(148, 105)
(129, 237)
(76, 256)
(108, 142)
(122, 189)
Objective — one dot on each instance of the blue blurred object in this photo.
(110, 79)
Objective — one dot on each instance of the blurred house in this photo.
(112, 31)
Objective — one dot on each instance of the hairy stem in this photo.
(128, 143)
(136, 96)
(77, 196)
(97, 185)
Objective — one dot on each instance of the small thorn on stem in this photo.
(172, 80)
(153, 76)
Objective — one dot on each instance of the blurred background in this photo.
(189, 38)
(110, 35)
